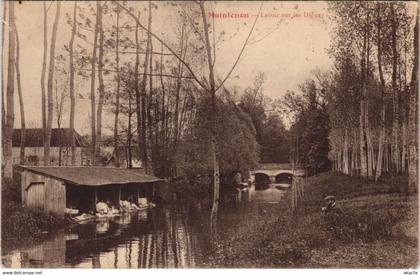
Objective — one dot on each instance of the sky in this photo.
(290, 40)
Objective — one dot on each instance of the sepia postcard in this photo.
(209, 134)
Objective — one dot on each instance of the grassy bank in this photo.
(20, 225)
(372, 226)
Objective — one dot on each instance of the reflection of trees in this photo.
(167, 238)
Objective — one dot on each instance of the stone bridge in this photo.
(275, 173)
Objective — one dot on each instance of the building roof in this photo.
(93, 176)
(59, 137)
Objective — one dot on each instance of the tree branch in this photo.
(166, 45)
(242, 50)
(163, 75)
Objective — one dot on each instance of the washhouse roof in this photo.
(93, 176)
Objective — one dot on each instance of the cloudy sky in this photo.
(289, 41)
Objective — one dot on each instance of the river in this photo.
(175, 236)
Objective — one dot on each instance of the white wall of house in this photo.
(35, 155)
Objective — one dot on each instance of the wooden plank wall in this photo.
(51, 197)
(55, 197)
(35, 196)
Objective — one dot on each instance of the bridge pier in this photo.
(272, 179)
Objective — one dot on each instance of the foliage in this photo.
(274, 141)
(367, 94)
(237, 149)
(189, 187)
(309, 132)
(271, 134)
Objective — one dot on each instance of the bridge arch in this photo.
(284, 177)
(262, 178)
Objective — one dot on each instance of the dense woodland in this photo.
(364, 111)
(169, 107)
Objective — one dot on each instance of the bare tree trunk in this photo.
(353, 169)
(10, 116)
(368, 131)
(404, 147)
(101, 81)
(138, 96)
(21, 104)
(92, 87)
(143, 97)
(117, 95)
(129, 153)
(178, 87)
(363, 157)
(43, 91)
(395, 121)
(412, 120)
(379, 162)
(163, 121)
(59, 112)
(3, 110)
(72, 97)
(178, 90)
(216, 176)
(50, 86)
(149, 103)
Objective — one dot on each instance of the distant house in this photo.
(60, 147)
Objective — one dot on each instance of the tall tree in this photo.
(413, 115)
(50, 86)
(10, 116)
(61, 93)
(43, 72)
(395, 94)
(92, 86)
(379, 24)
(101, 80)
(21, 104)
(216, 174)
(3, 111)
(117, 94)
(71, 85)
(143, 120)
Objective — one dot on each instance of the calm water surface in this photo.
(172, 237)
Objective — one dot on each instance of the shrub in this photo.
(186, 188)
(19, 222)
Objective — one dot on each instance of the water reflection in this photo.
(156, 238)
(173, 237)
(267, 193)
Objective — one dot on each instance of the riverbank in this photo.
(372, 226)
(21, 226)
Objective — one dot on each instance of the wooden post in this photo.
(96, 196)
(119, 194)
